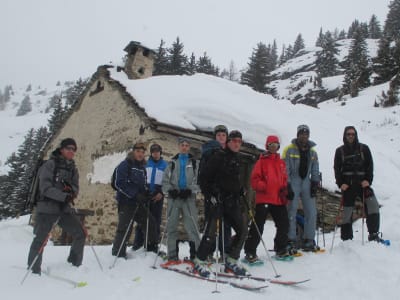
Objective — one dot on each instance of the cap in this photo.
(220, 128)
(303, 129)
(234, 134)
(68, 142)
(155, 148)
(139, 145)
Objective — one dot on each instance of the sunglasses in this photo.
(273, 145)
(350, 134)
(70, 148)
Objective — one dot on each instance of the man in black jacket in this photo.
(58, 187)
(223, 186)
(354, 168)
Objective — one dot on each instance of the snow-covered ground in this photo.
(352, 271)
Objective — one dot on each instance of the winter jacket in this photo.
(131, 183)
(353, 163)
(172, 172)
(54, 174)
(291, 155)
(222, 174)
(155, 173)
(269, 178)
(207, 150)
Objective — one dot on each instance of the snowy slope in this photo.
(352, 271)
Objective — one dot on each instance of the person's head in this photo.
(234, 140)
(138, 151)
(68, 148)
(155, 151)
(272, 144)
(303, 134)
(184, 145)
(350, 135)
(221, 134)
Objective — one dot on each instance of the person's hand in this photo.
(314, 188)
(344, 187)
(364, 183)
(173, 193)
(157, 197)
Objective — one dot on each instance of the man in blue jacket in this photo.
(132, 197)
(155, 168)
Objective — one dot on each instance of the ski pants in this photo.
(233, 213)
(301, 189)
(156, 208)
(43, 224)
(371, 210)
(137, 213)
(187, 208)
(280, 217)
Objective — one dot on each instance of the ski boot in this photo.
(200, 268)
(231, 266)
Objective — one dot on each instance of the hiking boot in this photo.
(36, 271)
(309, 245)
(136, 247)
(375, 237)
(292, 247)
(200, 267)
(251, 258)
(231, 266)
(284, 253)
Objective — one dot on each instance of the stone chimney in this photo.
(139, 61)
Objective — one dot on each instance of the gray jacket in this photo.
(52, 183)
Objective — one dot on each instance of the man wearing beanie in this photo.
(303, 176)
(180, 182)
(208, 150)
(58, 188)
(223, 186)
(155, 168)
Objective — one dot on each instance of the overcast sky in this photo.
(43, 41)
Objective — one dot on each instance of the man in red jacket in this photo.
(269, 180)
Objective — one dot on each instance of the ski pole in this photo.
(159, 247)
(262, 240)
(322, 211)
(40, 251)
(146, 240)
(336, 223)
(124, 238)
(223, 238)
(91, 246)
(217, 256)
(363, 217)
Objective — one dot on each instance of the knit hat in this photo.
(139, 145)
(234, 134)
(220, 128)
(183, 139)
(68, 142)
(155, 148)
(303, 129)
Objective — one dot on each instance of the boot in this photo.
(292, 247)
(376, 236)
(309, 245)
(251, 258)
(200, 267)
(346, 232)
(231, 266)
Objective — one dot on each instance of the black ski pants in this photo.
(70, 223)
(232, 213)
(138, 213)
(280, 217)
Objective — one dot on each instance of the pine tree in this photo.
(57, 118)
(2, 102)
(256, 75)
(177, 60)
(298, 44)
(320, 38)
(192, 68)
(326, 62)
(392, 24)
(73, 93)
(357, 71)
(273, 56)
(384, 63)
(25, 107)
(204, 65)
(28, 88)
(342, 35)
(282, 57)
(161, 60)
(374, 28)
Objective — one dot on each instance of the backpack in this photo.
(114, 175)
(208, 150)
(33, 193)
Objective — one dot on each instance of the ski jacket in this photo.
(291, 155)
(207, 150)
(172, 174)
(268, 178)
(131, 183)
(155, 172)
(54, 174)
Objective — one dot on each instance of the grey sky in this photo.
(43, 41)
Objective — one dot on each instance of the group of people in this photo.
(279, 182)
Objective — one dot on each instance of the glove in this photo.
(173, 193)
(368, 192)
(314, 188)
(290, 193)
(185, 193)
(142, 197)
(69, 199)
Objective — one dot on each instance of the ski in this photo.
(285, 258)
(274, 281)
(247, 287)
(256, 263)
(64, 279)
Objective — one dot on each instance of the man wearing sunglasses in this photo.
(58, 188)
(353, 167)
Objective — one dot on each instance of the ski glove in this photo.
(185, 193)
(314, 188)
(173, 193)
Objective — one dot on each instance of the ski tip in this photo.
(81, 284)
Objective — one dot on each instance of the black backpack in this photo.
(114, 174)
